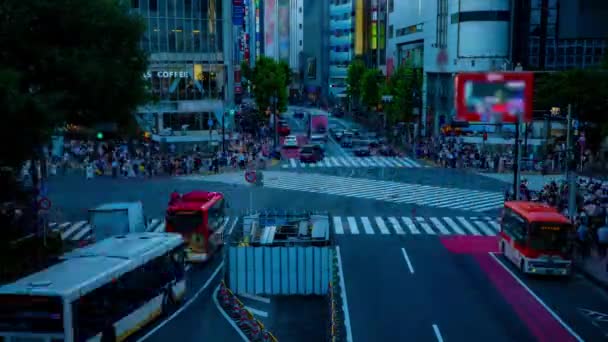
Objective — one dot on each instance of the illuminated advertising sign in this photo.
(167, 74)
(495, 97)
(283, 24)
(270, 27)
(257, 28)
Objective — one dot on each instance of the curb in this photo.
(593, 279)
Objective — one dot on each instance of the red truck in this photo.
(200, 217)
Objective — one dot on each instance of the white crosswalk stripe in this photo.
(357, 162)
(393, 225)
(417, 225)
(388, 191)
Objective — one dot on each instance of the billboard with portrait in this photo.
(494, 97)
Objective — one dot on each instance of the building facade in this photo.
(341, 44)
(191, 71)
(314, 62)
(560, 34)
(443, 37)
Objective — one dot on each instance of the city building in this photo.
(191, 71)
(314, 63)
(559, 34)
(444, 37)
(357, 28)
(341, 45)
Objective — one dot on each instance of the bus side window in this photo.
(514, 226)
(94, 311)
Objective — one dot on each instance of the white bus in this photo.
(103, 292)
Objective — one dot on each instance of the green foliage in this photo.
(287, 70)
(64, 61)
(356, 69)
(586, 90)
(371, 87)
(269, 79)
(402, 85)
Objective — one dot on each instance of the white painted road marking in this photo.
(338, 225)
(407, 260)
(367, 226)
(540, 301)
(257, 298)
(437, 333)
(347, 326)
(257, 312)
(186, 304)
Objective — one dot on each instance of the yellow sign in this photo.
(185, 212)
(554, 228)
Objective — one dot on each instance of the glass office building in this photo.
(188, 73)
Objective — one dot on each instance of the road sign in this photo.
(210, 123)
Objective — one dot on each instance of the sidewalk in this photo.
(535, 181)
(595, 268)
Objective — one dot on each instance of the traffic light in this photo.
(99, 135)
(232, 112)
(147, 136)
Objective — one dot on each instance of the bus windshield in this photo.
(548, 236)
(184, 221)
(31, 314)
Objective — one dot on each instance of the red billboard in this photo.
(494, 97)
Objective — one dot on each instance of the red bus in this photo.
(535, 237)
(200, 217)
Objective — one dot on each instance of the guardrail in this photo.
(244, 319)
(336, 322)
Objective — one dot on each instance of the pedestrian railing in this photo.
(244, 319)
(336, 321)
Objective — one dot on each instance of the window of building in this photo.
(300, 42)
(480, 16)
(300, 9)
(535, 3)
(134, 3)
(391, 5)
(300, 26)
(390, 31)
(535, 17)
(154, 5)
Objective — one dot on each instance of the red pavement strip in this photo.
(542, 323)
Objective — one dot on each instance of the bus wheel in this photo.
(169, 303)
(502, 248)
(522, 266)
(109, 334)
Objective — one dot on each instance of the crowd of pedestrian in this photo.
(144, 159)
(454, 152)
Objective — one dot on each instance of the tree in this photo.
(356, 69)
(65, 61)
(585, 90)
(404, 86)
(287, 70)
(370, 87)
(268, 79)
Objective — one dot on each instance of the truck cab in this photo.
(117, 218)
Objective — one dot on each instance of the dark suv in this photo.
(311, 154)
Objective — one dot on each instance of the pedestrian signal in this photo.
(99, 135)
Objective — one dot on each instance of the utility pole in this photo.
(570, 169)
(224, 132)
(517, 158)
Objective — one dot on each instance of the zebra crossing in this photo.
(387, 191)
(346, 225)
(354, 162)
(418, 225)
(81, 230)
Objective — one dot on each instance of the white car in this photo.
(290, 141)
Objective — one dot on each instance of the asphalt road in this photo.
(198, 318)
(454, 288)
